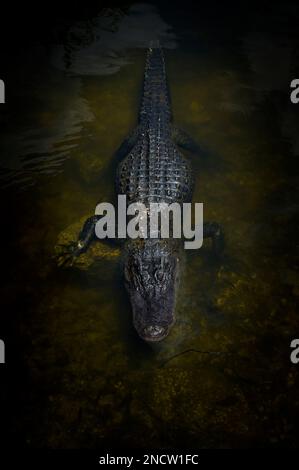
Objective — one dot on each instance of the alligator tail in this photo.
(155, 89)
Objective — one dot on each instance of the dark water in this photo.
(223, 377)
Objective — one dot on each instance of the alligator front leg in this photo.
(214, 231)
(86, 236)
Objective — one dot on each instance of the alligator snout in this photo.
(151, 269)
(154, 333)
(152, 318)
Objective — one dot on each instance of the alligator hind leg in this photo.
(214, 231)
(183, 140)
(86, 237)
(128, 143)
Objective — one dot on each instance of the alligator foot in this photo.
(214, 231)
(67, 254)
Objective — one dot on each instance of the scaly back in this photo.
(154, 170)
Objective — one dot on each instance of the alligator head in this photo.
(151, 272)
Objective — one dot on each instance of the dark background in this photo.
(48, 23)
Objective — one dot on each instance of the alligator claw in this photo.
(67, 255)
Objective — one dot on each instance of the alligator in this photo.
(153, 169)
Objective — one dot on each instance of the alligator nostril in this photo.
(154, 331)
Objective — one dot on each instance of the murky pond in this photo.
(223, 377)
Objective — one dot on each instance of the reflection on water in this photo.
(42, 143)
(223, 377)
(93, 48)
(112, 36)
